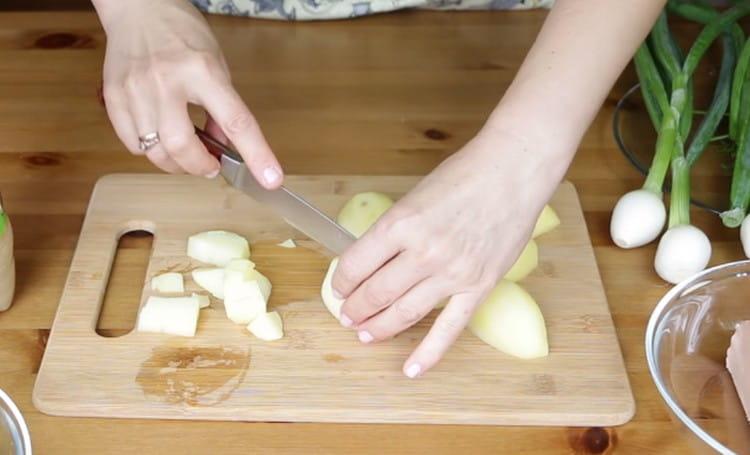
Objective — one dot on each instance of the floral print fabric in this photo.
(302, 10)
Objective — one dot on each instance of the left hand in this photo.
(453, 236)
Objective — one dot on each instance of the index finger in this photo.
(444, 331)
(229, 111)
(362, 259)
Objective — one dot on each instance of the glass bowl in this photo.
(686, 343)
(14, 434)
(636, 138)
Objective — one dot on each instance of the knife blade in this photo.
(290, 206)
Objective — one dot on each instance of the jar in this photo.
(7, 264)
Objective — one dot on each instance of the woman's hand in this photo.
(452, 237)
(464, 225)
(160, 57)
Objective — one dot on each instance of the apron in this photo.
(306, 10)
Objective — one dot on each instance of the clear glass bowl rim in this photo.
(20, 430)
(653, 367)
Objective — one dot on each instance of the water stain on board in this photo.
(195, 376)
(333, 358)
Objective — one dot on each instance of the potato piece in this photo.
(244, 301)
(240, 265)
(169, 315)
(288, 243)
(217, 247)
(547, 221)
(168, 283)
(212, 280)
(511, 322)
(244, 270)
(237, 269)
(362, 211)
(326, 292)
(267, 326)
(263, 282)
(203, 300)
(246, 291)
(525, 264)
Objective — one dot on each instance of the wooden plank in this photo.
(318, 372)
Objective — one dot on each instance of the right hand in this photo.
(161, 56)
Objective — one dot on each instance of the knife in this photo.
(294, 209)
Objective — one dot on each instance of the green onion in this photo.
(638, 217)
(709, 34)
(652, 87)
(719, 103)
(684, 249)
(739, 194)
(669, 55)
(665, 49)
(693, 12)
(736, 110)
(679, 201)
(667, 137)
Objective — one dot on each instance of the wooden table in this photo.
(393, 94)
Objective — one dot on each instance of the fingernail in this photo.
(345, 321)
(365, 337)
(271, 175)
(213, 174)
(413, 370)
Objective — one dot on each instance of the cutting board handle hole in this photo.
(117, 316)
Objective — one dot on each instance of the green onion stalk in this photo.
(669, 56)
(685, 249)
(739, 194)
(737, 111)
(639, 216)
(3, 222)
(652, 87)
(719, 103)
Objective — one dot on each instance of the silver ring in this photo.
(148, 141)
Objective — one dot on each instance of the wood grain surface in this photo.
(319, 372)
(393, 94)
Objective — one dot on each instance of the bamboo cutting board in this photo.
(319, 371)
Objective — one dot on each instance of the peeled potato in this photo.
(240, 265)
(246, 291)
(547, 221)
(217, 247)
(212, 280)
(326, 292)
(168, 283)
(288, 243)
(362, 210)
(203, 300)
(236, 270)
(510, 321)
(244, 270)
(169, 315)
(263, 282)
(525, 264)
(244, 301)
(357, 215)
(267, 326)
